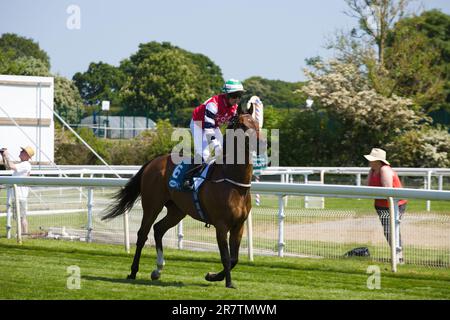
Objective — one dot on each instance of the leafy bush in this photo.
(136, 151)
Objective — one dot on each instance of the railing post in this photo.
(8, 213)
(358, 179)
(397, 227)
(281, 216)
(393, 233)
(257, 196)
(90, 206)
(180, 235)
(428, 188)
(126, 230)
(250, 236)
(19, 223)
(440, 183)
(60, 188)
(286, 180)
(322, 181)
(81, 188)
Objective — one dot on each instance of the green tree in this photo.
(277, 93)
(412, 64)
(312, 138)
(18, 47)
(24, 66)
(376, 18)
(411, 56)
(100, 82)
(162, 84)
(418, 58)
(67, 100)
(22, 56)
(209, 79)
(273, 117)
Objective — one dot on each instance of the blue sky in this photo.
(244, 37)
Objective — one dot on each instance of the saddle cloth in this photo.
(177, 179)
(177, 182)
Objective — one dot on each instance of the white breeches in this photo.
(201, 144)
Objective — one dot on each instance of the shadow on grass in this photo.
(157, 283)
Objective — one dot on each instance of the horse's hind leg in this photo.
(174, 215)
(148, 218)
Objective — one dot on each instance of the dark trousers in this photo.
(383, 215)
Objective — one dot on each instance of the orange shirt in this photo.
(375, 181)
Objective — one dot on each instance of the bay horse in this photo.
(224, 197)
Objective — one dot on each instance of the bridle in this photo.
(233, 124)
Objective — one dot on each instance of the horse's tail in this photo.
(126, 196)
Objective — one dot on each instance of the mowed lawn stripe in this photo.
(38, 270)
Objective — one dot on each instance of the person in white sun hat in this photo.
(21, 169)
(210, 115)
(382, 175)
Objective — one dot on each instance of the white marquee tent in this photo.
(26, 116)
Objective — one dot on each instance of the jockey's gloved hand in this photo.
(217, 147)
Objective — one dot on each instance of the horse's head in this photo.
(244, 120)
(244, 123)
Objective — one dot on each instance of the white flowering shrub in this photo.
(372, 120)
(343, 89)
(427, 148)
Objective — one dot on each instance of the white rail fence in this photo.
(420, 178)
(272, 229)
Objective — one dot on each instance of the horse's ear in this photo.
(239, 110)
(250, 110)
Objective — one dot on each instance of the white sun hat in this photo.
(377, 154)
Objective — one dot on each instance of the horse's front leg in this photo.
(221, 235)
(235, 243)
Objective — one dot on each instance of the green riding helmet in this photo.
(233, 85)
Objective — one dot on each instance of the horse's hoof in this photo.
(155, 275)
(211, 276)
(231, 286)
(131, 277)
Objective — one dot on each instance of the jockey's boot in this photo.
(188, 181)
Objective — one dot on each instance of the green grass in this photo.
(37, 269)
